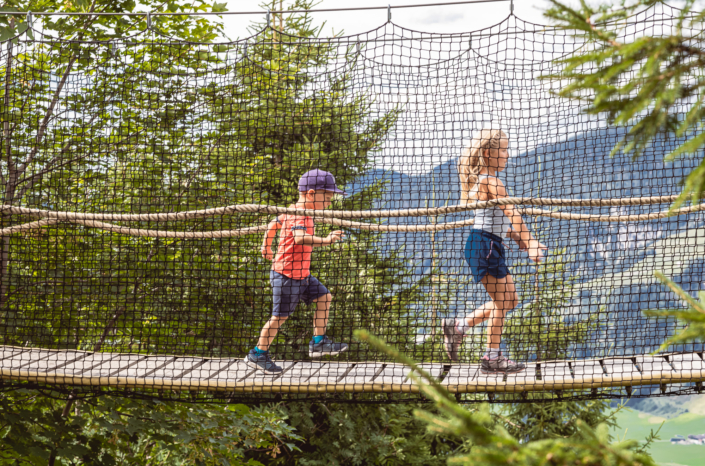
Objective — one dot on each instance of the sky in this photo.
(450, 18)
(433, 19)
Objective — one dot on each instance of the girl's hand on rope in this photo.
(536, 250)
(267, 253)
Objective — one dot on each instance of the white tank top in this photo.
(491, 220)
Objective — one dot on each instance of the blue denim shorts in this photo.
(288, 292)
(484, 253)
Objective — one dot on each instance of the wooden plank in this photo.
(330, 373)
(236, 371)
(176, 368)
(210, 369)
(54, 360)
(300, 373)
(398, 374)
(259, 377)
(144, 367)
(433, 369)
(587, 368)
(651, 365)
(552, 372)
(362, 373)
(525, 377)
(461, 374)
(10, 352)
(25, 358)
(687, 362)
(114, 364)
(623, 369)
(393, 374)
(93, 360)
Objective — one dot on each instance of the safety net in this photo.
(141, 178)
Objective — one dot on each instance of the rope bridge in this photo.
(229, 376)
(120, 274)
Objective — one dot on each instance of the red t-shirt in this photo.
(293, 260)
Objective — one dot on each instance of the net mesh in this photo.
(136, 177)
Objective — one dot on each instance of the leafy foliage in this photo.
(361, 434)
(693, 317)
(639, 81)
(171, 130)
(538, 329)
(40, 429)
(493, 445)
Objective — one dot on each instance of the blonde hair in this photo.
(473, 161)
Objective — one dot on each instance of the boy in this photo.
(290, 276)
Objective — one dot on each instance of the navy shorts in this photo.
(288, 292)
(484, 253)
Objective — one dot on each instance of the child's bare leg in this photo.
(269, 331)
(320, 345)
(480, 315)
(454, 329)
(504, 299)
(320, 318)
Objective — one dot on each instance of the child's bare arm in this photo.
(269, 236)
(301, 237)
(493, 188)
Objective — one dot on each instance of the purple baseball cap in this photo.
(319, 180)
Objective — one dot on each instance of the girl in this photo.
(484, 251)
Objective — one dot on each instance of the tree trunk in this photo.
(7, 136)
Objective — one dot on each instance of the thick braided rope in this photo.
(229, 233)
(340, 214)
(333, 221)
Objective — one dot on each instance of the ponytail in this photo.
(473, 161)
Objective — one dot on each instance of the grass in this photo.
(637, 425)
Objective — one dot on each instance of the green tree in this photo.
(538, 329)
(361, 434)
(157, 128)
(41, 428)
(491, 444)
(130, 141)
(653, 84)
(692, 315)
(54, 161)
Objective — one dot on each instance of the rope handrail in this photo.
(75, 218)
(269, 209)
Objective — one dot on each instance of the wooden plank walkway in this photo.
(121, 370)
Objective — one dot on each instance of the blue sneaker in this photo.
(262, 362)
(326, 347)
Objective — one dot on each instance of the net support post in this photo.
(389, 13)
(269, 17)
(29, 19)
(511, 7)
(149, 21)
